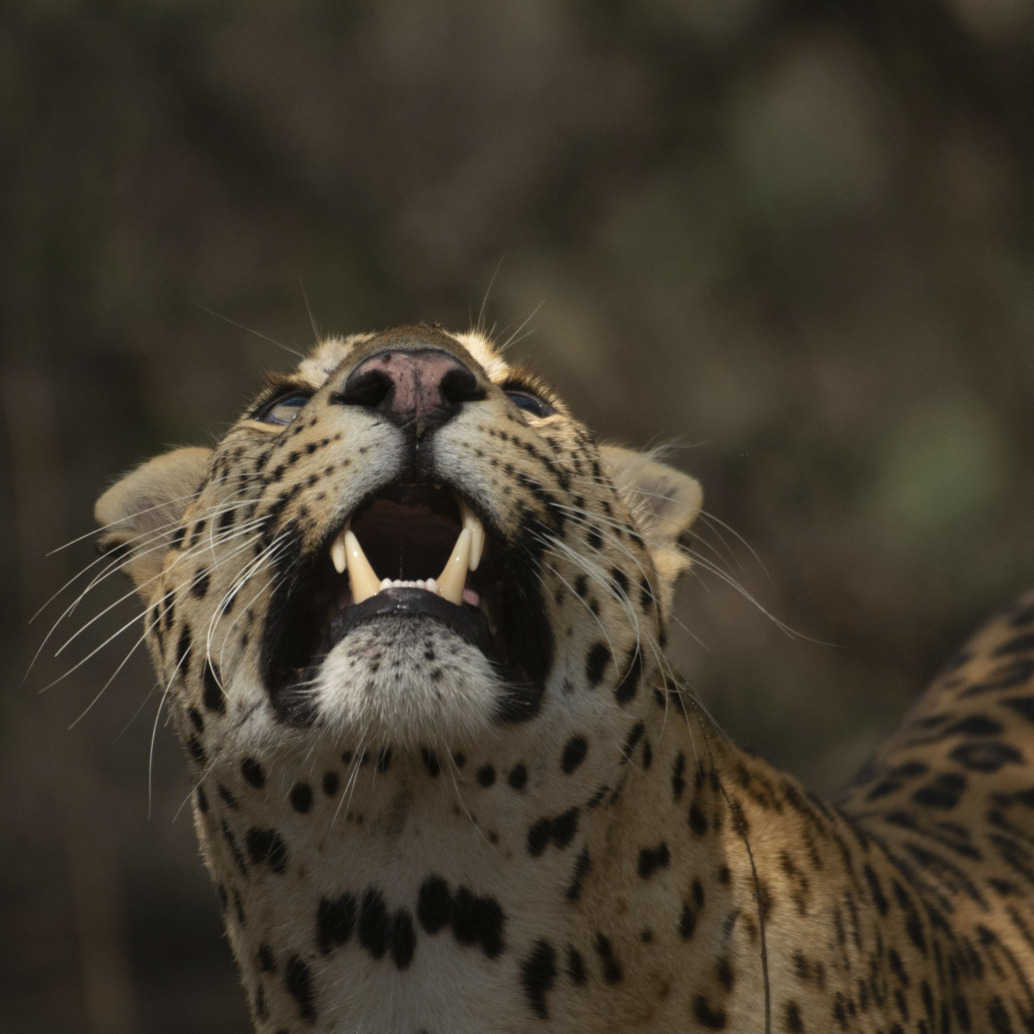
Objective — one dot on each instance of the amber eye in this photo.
(284, 409)
(529, 402)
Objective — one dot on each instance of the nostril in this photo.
(366, 387)
(459, 385)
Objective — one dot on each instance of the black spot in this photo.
(183, 648)
(434, 904)
(986, 755)
(265, 959)
(518, 777)
(793, 1022)
(678, 779)
(298, 981)
(231, 843)
(196, 533)
(196, 719)
(373, 924)
(301, 797)
(559, 830)
(574, 754)
(593, 538)
(403, 939)
(331, 783)
(335, 921)
(629, 684)
(485, 776)
(687, 923)
(595, 663)
(878, 897)
(538, 973)
(477, 921)
(575, 966)
(619, 583)
(252, 772)
(195, 750)
(227, 796)
(202, 800)
(266, 846)
(999, 1017)
(697, 819)
(431, 762)
(199, 586)
(581, 868)
(724, 973)
(653, 858)
(632, 740)
(974, 725)
(212, 697)
(913, 924)
(384, 759)
(1020, 644)
(1006, 677)
(612, 971)
(944, 792)
(708, 1015)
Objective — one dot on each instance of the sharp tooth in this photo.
(360, 574)
(454, 576)
(338, 553)
(477, 534)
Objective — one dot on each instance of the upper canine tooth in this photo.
(338, 553)
(360, 574)
(477, 534)
(454, 576)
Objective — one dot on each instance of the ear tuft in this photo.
(139, 514)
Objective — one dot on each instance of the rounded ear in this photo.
(139, 514)
(664, 503)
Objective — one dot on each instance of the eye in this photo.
(284, 409)
(529, 402)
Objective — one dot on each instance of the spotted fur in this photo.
(405, 836)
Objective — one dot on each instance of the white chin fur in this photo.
(384, 690)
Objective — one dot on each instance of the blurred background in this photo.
(793, 240)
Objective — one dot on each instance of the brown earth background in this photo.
(793, 239)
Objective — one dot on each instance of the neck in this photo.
(449, 892)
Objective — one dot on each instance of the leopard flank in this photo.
(410, 621)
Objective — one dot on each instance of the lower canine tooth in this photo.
(454, 576)
(361, 576)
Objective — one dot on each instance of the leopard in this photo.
(410, 619)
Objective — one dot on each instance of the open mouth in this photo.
(413, 551)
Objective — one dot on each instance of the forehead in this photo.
(331, 352)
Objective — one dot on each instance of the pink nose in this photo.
(423, 388)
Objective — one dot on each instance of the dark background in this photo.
(795, 240)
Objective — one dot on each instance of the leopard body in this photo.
(411, 833)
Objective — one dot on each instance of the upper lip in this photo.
(410, 550)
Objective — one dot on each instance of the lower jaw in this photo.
(409, 663)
